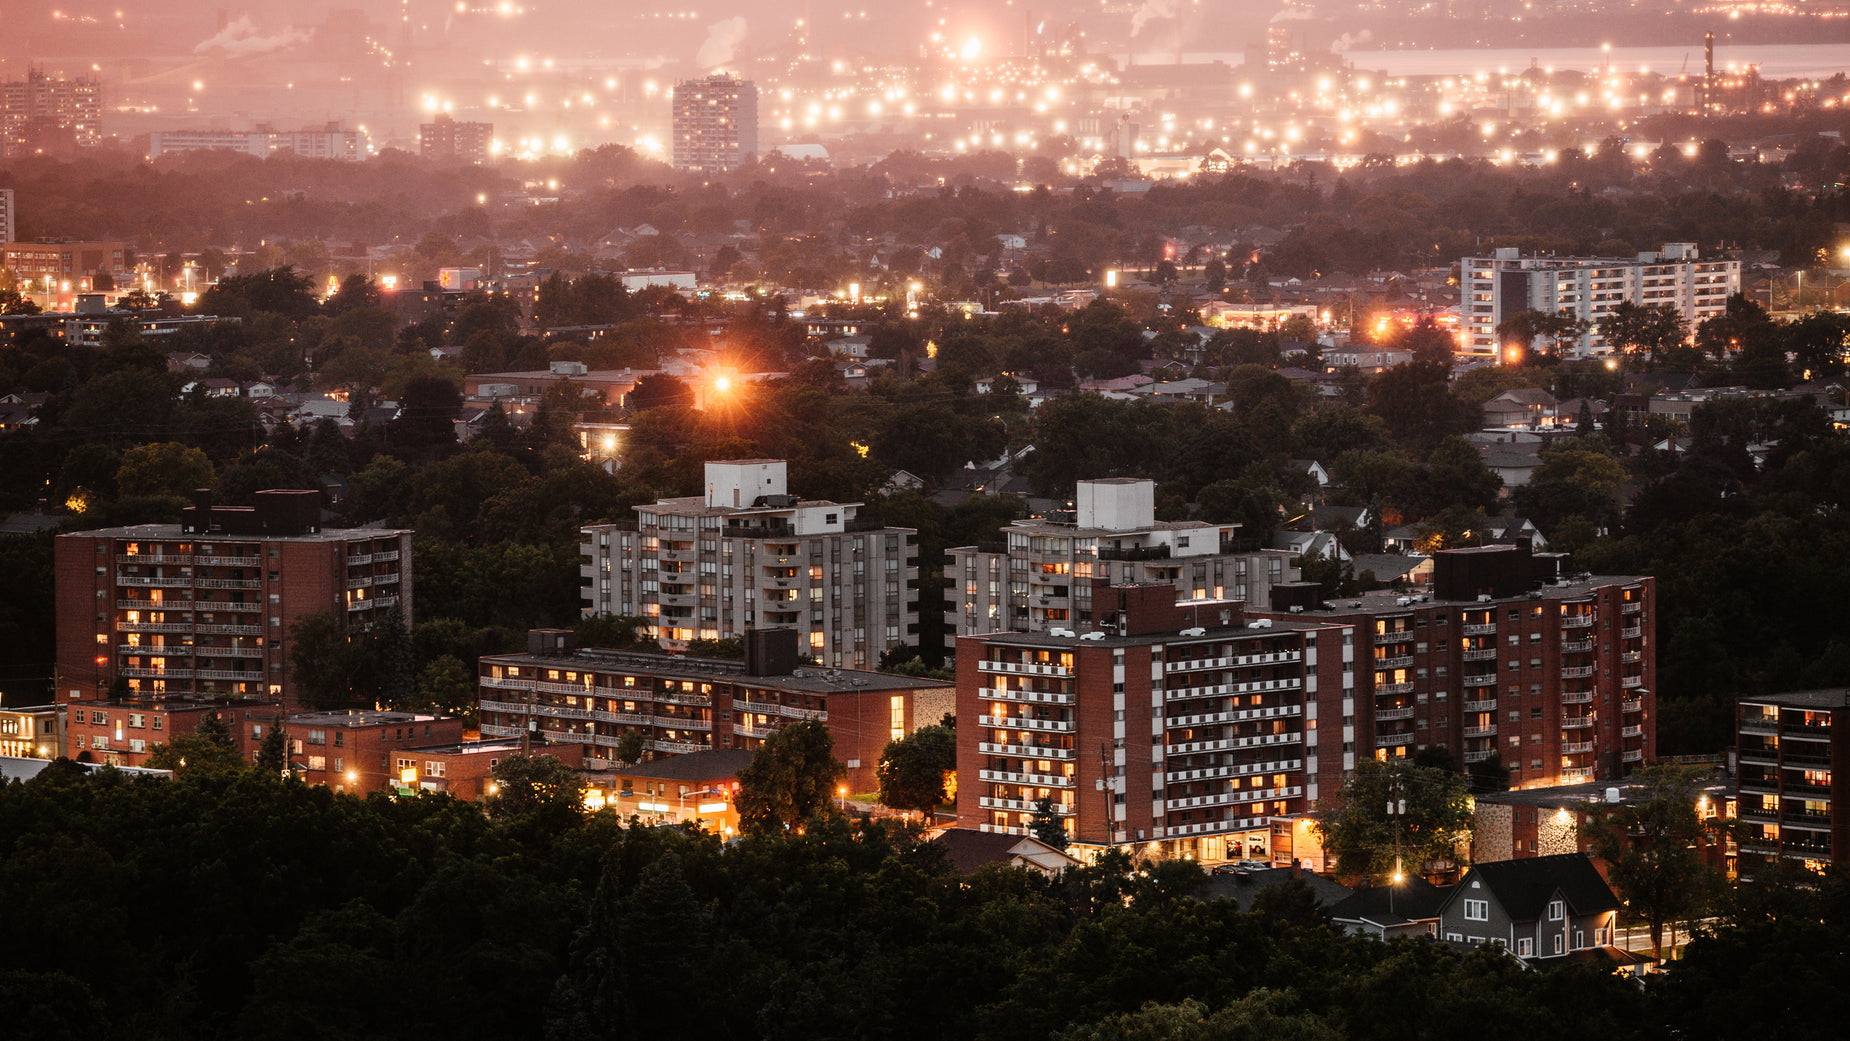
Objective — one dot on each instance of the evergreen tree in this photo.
(1046, 826)
(273, 755)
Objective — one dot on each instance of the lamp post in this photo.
(1397, 815)
(841, 793)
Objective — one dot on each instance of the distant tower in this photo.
(1708, 72)
(8, 230)
(715, 123)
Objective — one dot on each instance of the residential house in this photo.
(969, 850)
(1409, 907)
(1540, 909)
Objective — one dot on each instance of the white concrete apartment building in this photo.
(1040, 576)
(747, 554)
(1500, 285)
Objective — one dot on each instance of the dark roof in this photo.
(1243, 886)
(1524, 887)
(1838, 697)
(1411, 901)
(711, 765)
(969, 850)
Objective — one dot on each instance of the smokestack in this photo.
(1708, 71)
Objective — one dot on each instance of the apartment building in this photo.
(747, 554)
(9, 217)
(367, 750)
(1554, 675)
(1040, 575)
(587, 699)
(1786, 788)
(331, 141)
(54, 263)
(447, 140)
(206, 606)
(1185, 726)
(44, 113)
(125, 731)
(715, 123)
(1500, 285)
(30, 732)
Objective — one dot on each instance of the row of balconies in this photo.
(152, 559)
(1480, 629)
(377, 602)
(1225, 689)
(1031, 780)
(1025, 805)
(1023, 668)
(1233, 661)
(1215, 773)
(1051, 726)
(1576, 722)
(1243, 795)
(1383, 715)
(1242, 715)
(170, 627)
(1227, 744)
(1026, 697)
(1402, 661)
(1576, 621)
(773, 709)
(1026, 751)
(1484, 705)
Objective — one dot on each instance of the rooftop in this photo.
(713, 765)
(1389, 601)
(1106, 639)
(1835, 697)
(355, 718)
(811, 679)
(173, 531)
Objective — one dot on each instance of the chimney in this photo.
(1297, 868)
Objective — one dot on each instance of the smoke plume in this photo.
(240, 39)
(1348, 41)
(1152, 9)
(721, 44)
(1291, 14)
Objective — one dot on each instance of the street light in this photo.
(841, 792)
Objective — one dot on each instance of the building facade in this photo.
(366, 750)
(1041, 575)
(749, 555)
(715, 123)
(1588, 288)
(1787, 783)
(1185, 726)
(124, 731)
(332, 141)
(1555, 677)
(9, 217)
(587, 700)
(207, 606)
(67, 264)
(446, 140)
(43, 113)
(30, 732)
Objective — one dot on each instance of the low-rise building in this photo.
(124, 731)
(700, 787)
(1545, 909)
(590, 699)
(367, 750)
(30, 732)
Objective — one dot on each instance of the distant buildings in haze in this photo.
(715, 123)
(447, 140)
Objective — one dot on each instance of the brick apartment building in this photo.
(591, 698)
(1186, 726)
(1556, 675)
(1787, 783)
(122, 732)
(365, 750)
(748, 555)
(205, 607)
(1040, 575)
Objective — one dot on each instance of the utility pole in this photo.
(1397, 816)
(1108, 783)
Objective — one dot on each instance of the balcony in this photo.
(1628, 682)
(1631, 607)
(1026, 751)
(150, 582)
(1760, 756)
(1404, 661)
(386, 557)
(226, 674)
(1761, 725)
(1484, 731)
(1215, 773)
(1631, 657)
(1393, 688)
(359, 559)
(1482, 654)
(1026, 805)
(1758, 785)
(156, 674)
(229, 630)
(152, 559)
(1632, 705)
(1384, 715)
(1632, 755)
(682, 723)
(1576, 621)
(1214, 690)
(228, 583)
(1576, 672)
(1398, 636)
(1232, 661)
(231, 561)
(1019, 668)
(1488, 679)
(1227, 744)
(677, 747)
(1577, 647)
(161, 627)
(1479, 755)
(1244, 795)
(1576, 722)
(1031, 780)
(1758, 814)
(1631, 632)
(1576, 747)
(1632, 731)
(1049, 726)
(1479, 629)
(1024, 697)
(1393, 740)
(1243, 715)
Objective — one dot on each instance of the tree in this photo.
(1368, 840)
(1654, 329)
(1653, 847)
(535, 787)
(163, 468)
(207, 750)
(790, 779)
(361, 666)
(273, 754)
(1046, 826)
(913, 769)
(448, 685)
(629, 747)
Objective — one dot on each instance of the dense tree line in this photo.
(232, 904)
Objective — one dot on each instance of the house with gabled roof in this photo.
(1409, 907)
(1540, 909)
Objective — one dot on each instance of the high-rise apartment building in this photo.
(1186, 726)
(1556, 676)
(715, 123)
(1786, 787)
(206, 606)
(581, 703)
(9, 217)
(1498, 286)
(747, 555)
(44, 113)
(446, 140)
(1040, 575)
